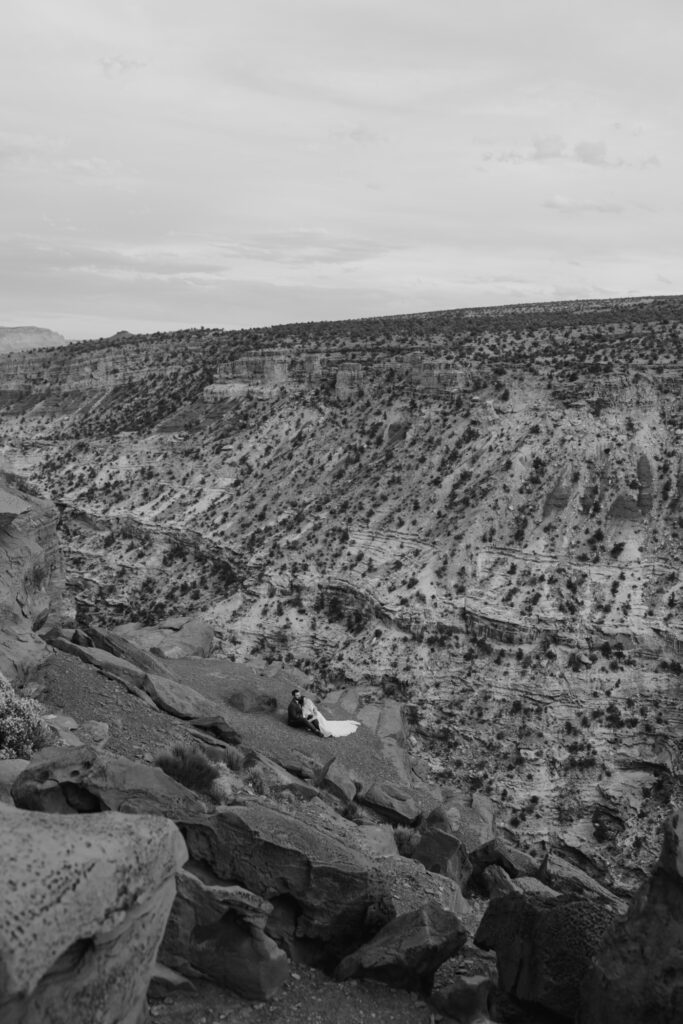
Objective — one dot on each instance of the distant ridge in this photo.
(19, 339)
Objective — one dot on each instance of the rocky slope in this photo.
(31, 576)
(478, 511)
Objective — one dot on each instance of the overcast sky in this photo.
(166, 163)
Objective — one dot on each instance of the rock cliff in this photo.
(31, 576)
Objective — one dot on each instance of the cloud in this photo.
(115, 67)
(552, 147)
(565, 204)
(548, 148)
(307, 246)
(358, 134)
(594, 153)
(543, 148)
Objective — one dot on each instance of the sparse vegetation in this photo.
(22, 732)
(190, 767)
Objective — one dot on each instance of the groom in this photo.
(295, 715)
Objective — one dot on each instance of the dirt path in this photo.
(307, 998)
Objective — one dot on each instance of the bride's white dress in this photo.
(335, 729)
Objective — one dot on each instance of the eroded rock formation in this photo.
(83, 908)
(31, 577)
(637, 976)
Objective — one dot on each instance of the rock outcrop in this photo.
(73, 780)
(543, 947)
(217, 931)
(321, 889)
(637, 975)
(31, 577)
(83, 908)
(179, 637)
(407, 951)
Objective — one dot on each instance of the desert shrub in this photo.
(21, 730)
(234, 758)
(255, 778)
(352, 811)
(189, 766)
(406, 838)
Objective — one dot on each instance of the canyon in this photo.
(478, 513)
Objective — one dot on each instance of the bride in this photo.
(334, 729)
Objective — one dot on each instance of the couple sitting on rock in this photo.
(303, 714)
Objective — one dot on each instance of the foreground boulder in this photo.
(637, 976)
(74, 780)
(321, 889)
(543, 946)
(407, 951)
(83, 907)
(218, 931)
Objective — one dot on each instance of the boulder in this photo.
(409, 886)
(177, 637)
(543, 946)
(466, 1000)
(407, 951)
(164, 981)
(327, 885)
(392, 802)
(514, 862)
(217, 726)
(10, 770)
(378, 840)
(472, 817)
(83, 907)
(300, 764)
(637, 975)
(109, 641)
(108, 663)
(497, 882)
(444, 854)
(218, 931)
(564, 877)
(93, 734)
(72, 780)
(337, 779)
(62, 730)
(178, 700)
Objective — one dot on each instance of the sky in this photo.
(241, 163)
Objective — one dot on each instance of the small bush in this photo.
(190, 767)
(21, 730)
(352, 811)
(234, 758)
(255, 778)
(406, 838)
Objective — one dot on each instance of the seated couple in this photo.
(303, 714)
